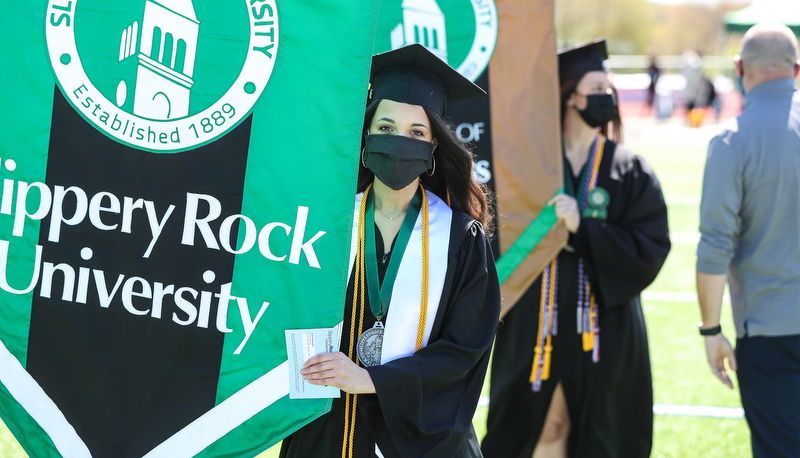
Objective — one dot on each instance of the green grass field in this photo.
(680, 372)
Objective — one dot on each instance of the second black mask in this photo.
(600, 109)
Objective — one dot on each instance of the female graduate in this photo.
(423, 298)
(571, 370)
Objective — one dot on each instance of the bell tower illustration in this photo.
(166, 56)
(423, 22)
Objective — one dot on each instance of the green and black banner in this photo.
(177, 191)
(177, 188)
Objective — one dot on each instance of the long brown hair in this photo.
(452, 180)
(568, 88)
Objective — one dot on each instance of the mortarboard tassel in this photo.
(546, 366)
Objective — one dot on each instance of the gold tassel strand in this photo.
(549, 346)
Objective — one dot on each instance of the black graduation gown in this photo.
(425, 402)
(610, 402)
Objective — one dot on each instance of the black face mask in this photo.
(600, 109)
(396, 159)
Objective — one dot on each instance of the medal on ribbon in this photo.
(370, 342)
(370, 345)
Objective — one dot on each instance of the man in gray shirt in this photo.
(750, 237)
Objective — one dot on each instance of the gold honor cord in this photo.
(601, 143)
(358, 292)
(423, 312)
(590, 334)
(548, 348)
(358, 303)
(540, 362)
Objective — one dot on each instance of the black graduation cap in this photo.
(416, 76)
(576, 61)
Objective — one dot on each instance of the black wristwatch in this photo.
(709, 331)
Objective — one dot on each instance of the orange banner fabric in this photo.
(523, 78)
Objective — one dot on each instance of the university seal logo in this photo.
(162, 75)
(462, 33)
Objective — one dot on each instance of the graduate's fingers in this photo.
(316, 359)
(566, 210)
(321, 374)
(320, 358)
(327, 364)
(336, 369)
(564, 205)
(317, 368)
(328, 377)
(325, 382)
(557, 198)
(333, 375)
(351, 379)
(334, 372)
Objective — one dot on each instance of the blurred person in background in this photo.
(692, 71)
(653, 72)
(750, 226)
(571, 368)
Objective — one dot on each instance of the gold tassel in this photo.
(588, 337)
(537, 350)
(546, 365)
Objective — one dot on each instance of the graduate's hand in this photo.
(338, 370)
(567, 211)
(717, 350)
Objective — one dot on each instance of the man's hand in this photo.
(338, 370)
(717, 350)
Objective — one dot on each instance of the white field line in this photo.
(672, 296)
(698, 411)
(677, 410)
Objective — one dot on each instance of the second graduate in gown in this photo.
(571, 369)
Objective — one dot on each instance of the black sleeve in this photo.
(427, 400)
(626, 251)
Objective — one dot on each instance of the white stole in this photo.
(402, 320)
